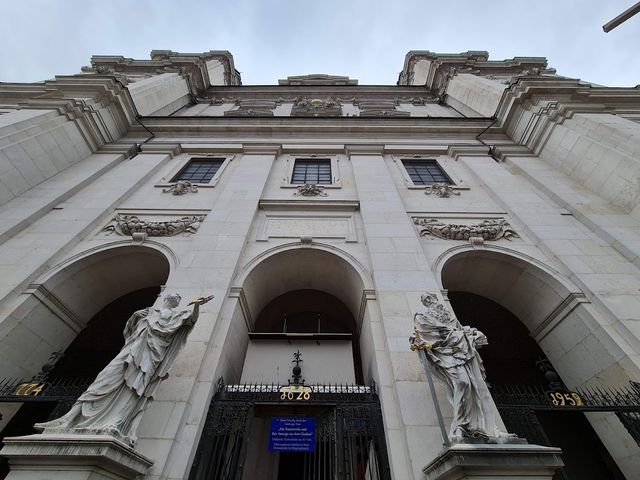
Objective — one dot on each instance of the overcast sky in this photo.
(367, 40)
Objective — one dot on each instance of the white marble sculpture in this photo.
(451, 350)
(115, 401)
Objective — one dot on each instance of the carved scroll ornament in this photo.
(487, 229)
(309, 190)
(128, 225)
(442, 190)
(181, 187)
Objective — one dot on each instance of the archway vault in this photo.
(56, 307)
(294, 267)
(538, 295)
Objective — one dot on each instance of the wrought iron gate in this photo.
(349, 436)
(518, 405)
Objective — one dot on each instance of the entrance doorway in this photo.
(349, 438)
(515, 365)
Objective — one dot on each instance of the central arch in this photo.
(297, 303)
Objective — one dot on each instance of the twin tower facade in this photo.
(317, 212)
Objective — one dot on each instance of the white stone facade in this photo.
(557, 158)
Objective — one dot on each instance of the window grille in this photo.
(425, 172)
(199, 170)
(311, 172)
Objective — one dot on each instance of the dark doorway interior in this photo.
(510, 358)
(310, 311)
(88, 354)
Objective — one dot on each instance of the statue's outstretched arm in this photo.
(196, 307)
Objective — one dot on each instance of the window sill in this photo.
(323, 185)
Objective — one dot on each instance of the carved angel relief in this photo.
(487, 229)
(128, 225)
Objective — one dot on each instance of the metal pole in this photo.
(432, 388)
(623, 17)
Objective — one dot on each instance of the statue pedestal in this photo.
(473, 461)
(70, 456)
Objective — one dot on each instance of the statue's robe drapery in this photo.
(114, 402)
(457, 365)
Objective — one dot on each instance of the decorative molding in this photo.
(558, 314)
(316, 107)
(238, 292)
(309, 190)
(309, 204)
(491, 230)
(128, 225)
(181, 187)
(57, 306)
(296, 225)
(442, 190)
(367, 295)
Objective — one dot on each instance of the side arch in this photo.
(530, 289)
(56, 307)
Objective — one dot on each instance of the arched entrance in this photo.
(527, 312)
(299, 409)
(78, 310)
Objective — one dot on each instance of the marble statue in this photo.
(452, 353)
(115, 401)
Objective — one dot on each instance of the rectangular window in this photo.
(425, 172)
(199, 170)
(313, 172)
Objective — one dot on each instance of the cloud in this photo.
(272, 39)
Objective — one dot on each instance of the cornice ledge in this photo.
(416, 149)
(171, 149)
(314, 148)
(126, 149)
(211, 147)
(364, 149)
(261, 148)
(456, 151)
(500, 152)
(280, 204)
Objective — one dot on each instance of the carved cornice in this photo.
(444, 65)
(192, 66)
(80, 98)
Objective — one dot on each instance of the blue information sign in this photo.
(292, 434)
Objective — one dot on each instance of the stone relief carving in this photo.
(452, 353)
(253, 108)
(316, 107)
(128, 225)
(116, 400)
(181, 187)
(442, 190)
(487, 229)
(379, 107)
(308, 190)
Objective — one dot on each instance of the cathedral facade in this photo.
(318, 212)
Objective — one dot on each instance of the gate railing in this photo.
(518, 403)
(350, 440)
